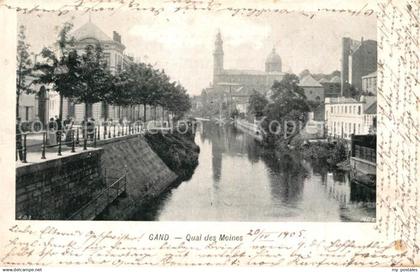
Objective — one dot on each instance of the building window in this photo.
(104, 110)
(89, 110)
(359, 110)
(27, 113)
(71, 109)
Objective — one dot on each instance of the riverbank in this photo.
(333, 156)
(177, 150)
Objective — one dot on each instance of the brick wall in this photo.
(56, 188)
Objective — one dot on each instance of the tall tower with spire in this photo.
(217, 57)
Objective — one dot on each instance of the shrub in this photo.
(325, 153)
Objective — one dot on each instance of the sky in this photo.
(182, 44)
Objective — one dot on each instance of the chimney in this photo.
(116, 37)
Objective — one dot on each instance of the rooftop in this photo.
(273, 57)
(309, 81)
(356, 45)
(243, 72)
(90, 30)
(335, 79)
(372, 108)
(373, 74)
(367, 100)
(340, 100)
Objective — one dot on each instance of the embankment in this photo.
(178, 151)
(147, 174)
(56, 188)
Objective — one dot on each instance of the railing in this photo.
(49, 139)
(365, 153)
(82, 136)
(99, 203)
(73, 137)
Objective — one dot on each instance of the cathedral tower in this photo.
(217, 57)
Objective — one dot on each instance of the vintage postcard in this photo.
(209, 133)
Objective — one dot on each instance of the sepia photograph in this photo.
(143, 118)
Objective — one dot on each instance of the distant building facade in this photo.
(332, 88)
(314, 91)
(346, 116)
(34, 106)
(369, 83)
(358, 58)
(245, 80)
(116, 61)
(27, 107)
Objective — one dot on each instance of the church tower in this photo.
(217, 57)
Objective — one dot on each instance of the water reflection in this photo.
(287, 177)
(237, 179)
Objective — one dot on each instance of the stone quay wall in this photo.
(55, 189)
(147, 174)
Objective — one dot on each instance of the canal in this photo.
(238, 180)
